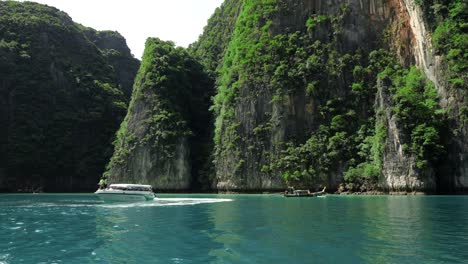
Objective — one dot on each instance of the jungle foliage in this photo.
(448, 21)
(60, 102)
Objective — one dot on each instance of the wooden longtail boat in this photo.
(303, 193)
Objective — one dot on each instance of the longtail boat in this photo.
(303, 193)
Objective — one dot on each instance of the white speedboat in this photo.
(126, 193)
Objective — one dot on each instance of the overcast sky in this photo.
(181, 21)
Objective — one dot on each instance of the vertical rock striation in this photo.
(399, 171)
(453, 99)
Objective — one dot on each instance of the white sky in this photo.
(181, 21)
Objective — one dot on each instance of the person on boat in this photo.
(103, 183)
(290, 190)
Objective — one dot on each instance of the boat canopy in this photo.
(131, 187)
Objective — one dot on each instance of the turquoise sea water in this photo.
(234, 229)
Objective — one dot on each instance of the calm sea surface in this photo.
(234, 229)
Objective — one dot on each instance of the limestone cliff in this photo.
(169, 108)
(399, 171)
(296, 86)
(283, 103)
(114, 47)
(60, 103)
(449, 174)
(439, 68)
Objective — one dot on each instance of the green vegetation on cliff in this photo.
(167, 116)
(346, 135)
(419, 114)
(296, 102)
(448, 21)
(281, 65)
(209, 49)
(114, 47)
(60, 103)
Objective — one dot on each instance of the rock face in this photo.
(60, 103)
(164, 138)
(114, 47)
(254, 134)
(453, 99)
(399, 171)
(296, 85)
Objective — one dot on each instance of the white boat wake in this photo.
(189, 201)
(155, 203)
(167, 202)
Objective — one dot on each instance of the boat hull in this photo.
(303, 195)
(125, 197)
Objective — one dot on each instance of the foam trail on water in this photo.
(190, 201)
(154, 203)
(168, 202)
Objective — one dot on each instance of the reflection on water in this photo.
(234, 229)
(418, 229)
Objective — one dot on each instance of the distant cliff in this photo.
(61, 100)
(114, 47)
(165, 137)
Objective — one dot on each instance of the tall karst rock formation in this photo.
(352, 94)
(165, 137)
(61, 99)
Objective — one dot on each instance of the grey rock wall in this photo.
(239, 168)
(399, 169)
(455, 172)
(145, 166)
